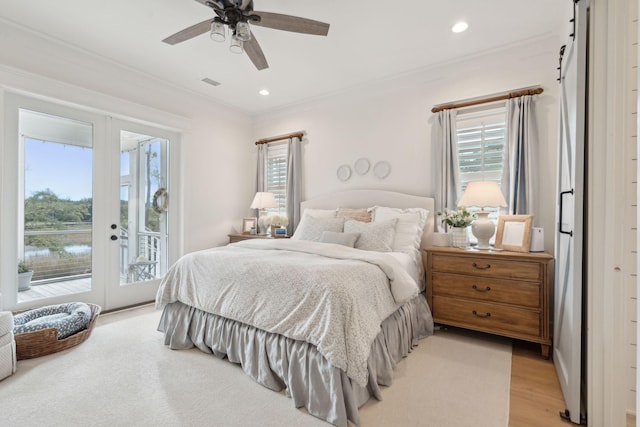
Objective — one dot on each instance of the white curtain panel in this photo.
(519, 182)
(294, 183)
(262, 152)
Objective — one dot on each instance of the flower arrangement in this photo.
(457, 218)
(275, 221)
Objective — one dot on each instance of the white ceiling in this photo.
(368, 42)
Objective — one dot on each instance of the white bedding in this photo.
(329, 295)
(415, 269)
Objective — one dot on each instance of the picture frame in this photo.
(514, 233)
(248, 224)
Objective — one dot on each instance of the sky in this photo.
(65, 169)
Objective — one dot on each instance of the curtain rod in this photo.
(280, 138)
(536, 90)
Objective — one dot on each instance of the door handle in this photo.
(562, 194)
(114, 237)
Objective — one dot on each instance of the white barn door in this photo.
(569, 236)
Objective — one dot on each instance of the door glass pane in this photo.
(56, 217)
(144, 207)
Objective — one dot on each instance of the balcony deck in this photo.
(55, 289)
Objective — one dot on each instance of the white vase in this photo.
(459, 237)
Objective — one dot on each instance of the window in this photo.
(275, 180)
(481, 137)
(480, 134)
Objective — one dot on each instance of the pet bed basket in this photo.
(45, 341)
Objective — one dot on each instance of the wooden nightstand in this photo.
(238, 237)
(503, 293)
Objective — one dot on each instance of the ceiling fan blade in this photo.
(189, 33)
(295, 24)
(246, 3)
(254, 52)
(212, 3)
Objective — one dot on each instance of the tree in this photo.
(45, 208)
(45, 211)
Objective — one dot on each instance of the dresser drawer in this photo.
(493, 267)
(487, 289)
(494, 318)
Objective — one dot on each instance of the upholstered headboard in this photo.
(370, 198)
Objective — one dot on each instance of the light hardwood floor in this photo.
(536, 397)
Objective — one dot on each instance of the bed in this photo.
(325, 315)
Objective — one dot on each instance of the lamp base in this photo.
(483, 229)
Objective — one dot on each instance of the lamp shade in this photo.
(482, 194)
(263, 200)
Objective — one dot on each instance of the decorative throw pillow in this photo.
(409, 228)
(374, 236)
(345, 239)
(311, 228)
(362, 215)
(320, 213)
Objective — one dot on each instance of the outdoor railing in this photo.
(56, 255)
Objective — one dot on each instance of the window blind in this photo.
(276, 175)
(481, 138)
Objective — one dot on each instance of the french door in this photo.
(84, 205)
(143, 211)
(569, 238)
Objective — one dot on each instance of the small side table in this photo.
(233, 238)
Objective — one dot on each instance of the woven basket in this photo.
(45, 341)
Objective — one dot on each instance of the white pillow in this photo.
(409, 228)
(345, 239)
(374, 236)
(321, 213)
(311, 228)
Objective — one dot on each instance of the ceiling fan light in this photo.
(217, 31)
(236, 45)
(243, 32)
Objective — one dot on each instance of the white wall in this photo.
(216, 144)
(393, 122)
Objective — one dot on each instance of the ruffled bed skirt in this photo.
(278, 362)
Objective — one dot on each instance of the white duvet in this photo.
(329, 295)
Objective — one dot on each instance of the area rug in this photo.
(124, 376)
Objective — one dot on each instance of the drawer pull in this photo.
(487, 289)
(479, 267)
(484, 316)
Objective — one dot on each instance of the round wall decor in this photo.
(361, 166)
(382, 169)
(344, 173)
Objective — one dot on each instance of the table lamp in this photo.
(483, 194)
(262, 201)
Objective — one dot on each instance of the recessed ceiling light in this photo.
(459, 27)
(263, 92)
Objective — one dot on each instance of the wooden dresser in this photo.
(503, 293)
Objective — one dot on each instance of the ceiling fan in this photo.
(237, 15)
